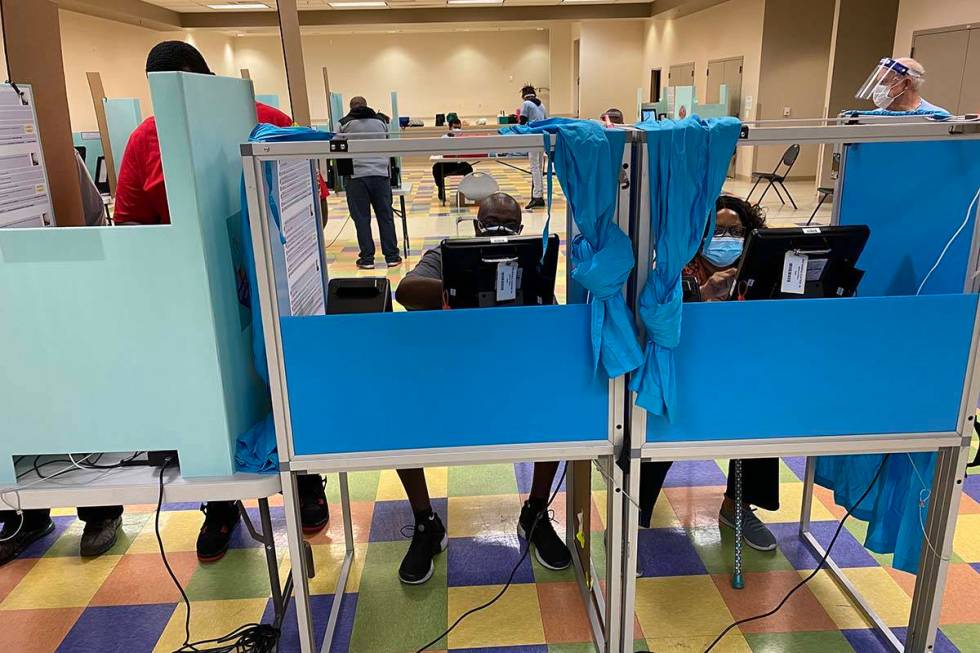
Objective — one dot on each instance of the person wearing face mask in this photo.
(714, 267)
(421, 290)
(896, 85)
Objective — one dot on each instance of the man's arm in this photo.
(132, 206)
(418, 293)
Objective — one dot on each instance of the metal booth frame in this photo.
(952, 447)
(603, 608)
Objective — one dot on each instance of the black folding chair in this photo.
(775, 178)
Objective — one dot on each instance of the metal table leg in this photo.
(405, 243)
(345, 567)
(300, 561)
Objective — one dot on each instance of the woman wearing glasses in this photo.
(712, 273)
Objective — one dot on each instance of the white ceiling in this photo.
(202, 5)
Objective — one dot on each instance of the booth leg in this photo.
(631, 529)
(738, 582)
(807, 508)
(930, 582)
(299, 562)
(585, 576)
(614, 556)
(280, 594)
(345, 567)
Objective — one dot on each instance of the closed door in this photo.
(970, 93)
(681, 75)
(943, 55)
(728, 72)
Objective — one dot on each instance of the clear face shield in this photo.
(885, 83)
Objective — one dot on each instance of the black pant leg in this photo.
(760, 482)
(652, 476)
(32, 518)
(381, 202)
(99, 513)
(359, 204)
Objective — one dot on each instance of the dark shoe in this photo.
(754, 532)
(313, 508)
(536, 203)
(394, 261)
(365, 263)
(220, 521)
(549, 549)
(429, 539)
(99, 536)
(16, 537)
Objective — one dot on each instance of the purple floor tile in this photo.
(797, 464)
(242, 539)
(848, 552)
(976, 567)
(41, 546)
(391, 516)
(183, 505)
(667, 552)
(972, 486)
(694, 473)
(525, 473)
(320, 607)
(118, 629)
(486, 561)
(530, 648)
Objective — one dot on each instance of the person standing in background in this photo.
(532, 110)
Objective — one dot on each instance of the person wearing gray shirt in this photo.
(370, 186)
(532, 110)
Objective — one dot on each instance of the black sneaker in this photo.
(365, 263)
(313, 508)
(220, 521)
(394, 261)
(549, 549)
(535, 203)
(16, 537)
(99, 536)
(429, 539)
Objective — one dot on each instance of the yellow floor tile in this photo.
(482, 515)
(518, 608)
(328, 558)
(209, 619)
(680, 607)
(664, 515)
(390, 487)
(179, 530)
(835, 602)
(966, 539)
(60, 582)
(878, 588)
(790, 503)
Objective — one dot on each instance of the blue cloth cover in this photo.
(255, 450)
(937, 112)
(688, 160)
(587, 159)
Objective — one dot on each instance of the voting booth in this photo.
(892, 369)
(485, 385)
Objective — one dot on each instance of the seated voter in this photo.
(714, 268)
(443, 169)
(499, 214)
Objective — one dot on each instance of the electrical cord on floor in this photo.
(250, 638)
(337, 237)
(820, 565)
(513, 572)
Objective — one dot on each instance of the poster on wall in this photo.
(25, 197)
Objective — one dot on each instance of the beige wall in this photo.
(118, 51)
(928, 14)
(476, 73)
(731, 29)
(610, 62)
(562, 82)
(793, 72)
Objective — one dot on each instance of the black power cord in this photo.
(250, 638)
(820, 565)
(510, 579)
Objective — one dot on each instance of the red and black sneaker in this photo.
(220, 521)
(313, 508)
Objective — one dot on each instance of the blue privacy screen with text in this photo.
(808, 367)
(395, 381)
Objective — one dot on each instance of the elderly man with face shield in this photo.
(896, 84)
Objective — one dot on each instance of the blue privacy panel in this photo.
(122, 117)
(910, 228)
(768, 369)
(270, 99)
(490, 376)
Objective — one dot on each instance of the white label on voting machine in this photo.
(811, 230)
(506, 281)
(794, 273)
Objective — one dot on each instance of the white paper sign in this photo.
(302, 249)
(794, 273)
(506, 281)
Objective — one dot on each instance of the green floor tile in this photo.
(965, 637)
(787, 475)
(571, 648)
(241, 574)
(822, 642)
(482, 480)
(717, 550)
(392, 616)
(363, 486)
(132, 524)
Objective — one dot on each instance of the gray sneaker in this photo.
(98, 537)
(754, 532)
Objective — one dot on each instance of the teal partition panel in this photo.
(133, 338)
(268, 98)
(122, 116)
(92, 142)
(816, 367)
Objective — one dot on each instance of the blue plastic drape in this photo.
(587, 159)
(255, 450)
(687, 164)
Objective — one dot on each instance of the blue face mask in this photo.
(723, 251)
